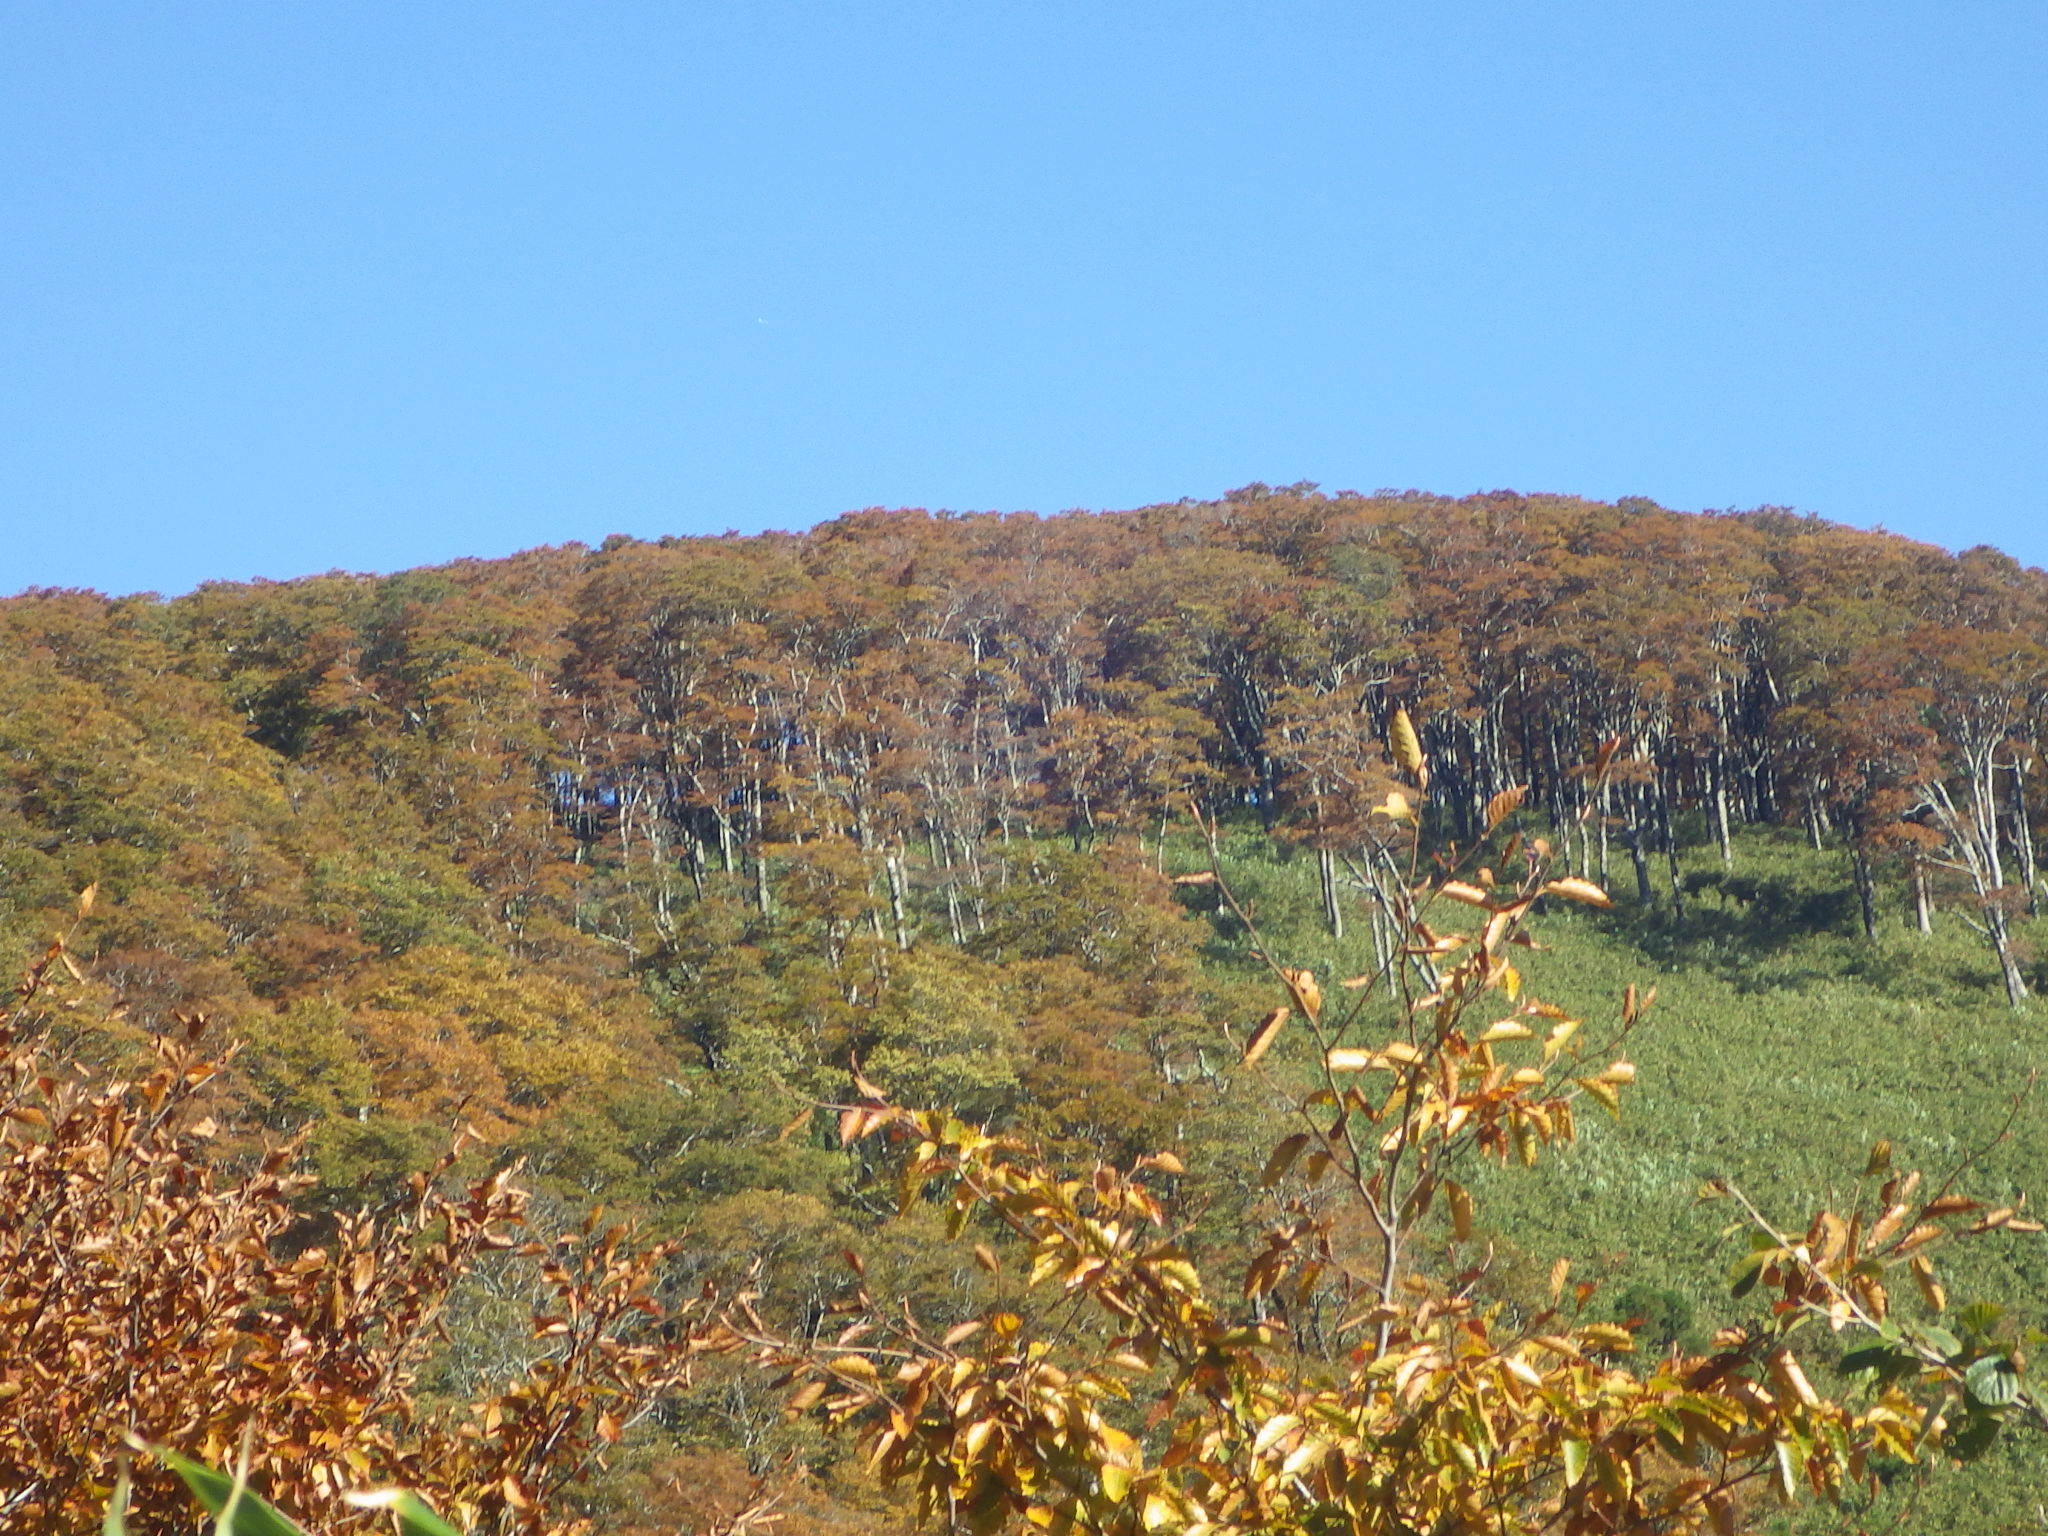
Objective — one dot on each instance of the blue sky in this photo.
(292, 287)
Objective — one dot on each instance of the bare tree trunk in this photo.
(1333, 913)
(894, 866)
(1632, 832)
(1721, 833)
(953, 914)
(1670, 849)
(2023, 837)
(1380, 948)
(1972, 850)
(1866, 889)
(1606, 879)
(1998, 930)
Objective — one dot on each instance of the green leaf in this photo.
(1788, 1469)
(1934, 1336)
(1980, 1317)
(1993, 1381)
(1576, 1453)
(1979, 1430)
(1743, 1277)
(116, 1521)
(249, 1515)
(416, 1516)
(1889, 1363)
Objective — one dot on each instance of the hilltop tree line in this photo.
(481, 835)
(923, 689)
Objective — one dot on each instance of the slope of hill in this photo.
(622, 855)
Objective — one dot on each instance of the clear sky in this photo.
(288, 287)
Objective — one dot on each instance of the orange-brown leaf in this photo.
(1263, 1037)
(1504, 805)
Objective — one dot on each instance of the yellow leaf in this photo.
(1395, 807)
(1461, 1210)
(1604, 1092)
(1306, 993)
(1282, 1159)
(1407, 748)
(1572, 888)
(1951, 1205)
(1458, 890)
(1888, 1225)
(1785, 1370)
(1611, 1337)
(1506, 1029)
(1920, 1237)
(86, 898)
(1273, 1431)
(1304, 1456)
(1499, 927)
(797, 1124)
(1931, 1290)
(1565, 1029)
(1348, 1060)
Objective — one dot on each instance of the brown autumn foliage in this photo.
(147, 1290)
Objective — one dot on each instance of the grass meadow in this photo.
(1783, 1043)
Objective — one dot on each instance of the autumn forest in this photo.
(635, 865)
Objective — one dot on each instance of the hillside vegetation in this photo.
(624, 858)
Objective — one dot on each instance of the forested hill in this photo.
(476, 839)
(623, 857)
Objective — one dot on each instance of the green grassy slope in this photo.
(1782, 1044)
